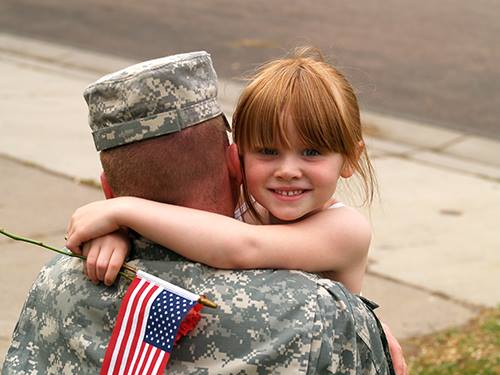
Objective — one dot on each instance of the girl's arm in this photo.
(335, 239)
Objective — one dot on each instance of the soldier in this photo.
(162, 136)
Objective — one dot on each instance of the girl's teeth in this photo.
(289, 193)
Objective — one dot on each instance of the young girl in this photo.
(297, 131)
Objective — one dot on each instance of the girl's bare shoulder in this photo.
(346, 222)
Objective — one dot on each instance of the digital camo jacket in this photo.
(267, 322)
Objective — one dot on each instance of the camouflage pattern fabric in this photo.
(267, 322)
(152, 98)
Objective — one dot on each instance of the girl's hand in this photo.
(91, 221)
(105, 256)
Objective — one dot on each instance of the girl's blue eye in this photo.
(311, 152)
(267, 151)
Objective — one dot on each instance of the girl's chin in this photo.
(287, 218)
(284, 219)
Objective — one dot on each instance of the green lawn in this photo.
(470, 350)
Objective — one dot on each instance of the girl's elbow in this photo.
(357, 249)
(240, 260)
(242, 256)
(222, 261)
(360, 251)
(235, 256)
(366, 243)
(226, 262)
(229, 262)
(363, 239)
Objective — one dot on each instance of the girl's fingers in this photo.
(70, 240)
(68, 227)
(85, 251)
(91, 262)
(115, 264)
(70, 230)
(67, 236)
(75, 250)
(70, 245)
(102, 262)
(75, 239)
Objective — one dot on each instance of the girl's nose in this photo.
(288, 169)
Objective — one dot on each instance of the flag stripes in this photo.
(147, 326)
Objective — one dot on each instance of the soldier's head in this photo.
(162, 135)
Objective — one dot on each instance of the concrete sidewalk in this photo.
(435, 255)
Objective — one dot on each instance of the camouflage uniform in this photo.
(152, 98)
(267, 321)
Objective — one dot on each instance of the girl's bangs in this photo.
(315, 116)
(261, 121)
(291, 91)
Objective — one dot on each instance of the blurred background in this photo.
(431, 61)
(428, 80)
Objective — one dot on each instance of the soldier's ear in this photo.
(108, 193)
(233, 163)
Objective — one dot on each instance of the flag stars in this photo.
(166, 313)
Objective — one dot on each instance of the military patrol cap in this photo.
(152, 98)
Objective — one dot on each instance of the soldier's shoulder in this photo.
(351, 309)
(358, 309)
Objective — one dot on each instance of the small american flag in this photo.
(153, 315)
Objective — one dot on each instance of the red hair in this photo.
(321, 104)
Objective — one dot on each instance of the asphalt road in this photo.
(431, 61)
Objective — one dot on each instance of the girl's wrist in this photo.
(121, 207)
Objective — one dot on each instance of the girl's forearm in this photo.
(315, 244)
(205, 237)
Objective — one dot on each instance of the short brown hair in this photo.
(321, 103)
(177, 168)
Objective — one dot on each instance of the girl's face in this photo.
(292, 182)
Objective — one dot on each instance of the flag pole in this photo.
(206, 302)
(125, 267)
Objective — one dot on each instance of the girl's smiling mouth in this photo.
(289, 194)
